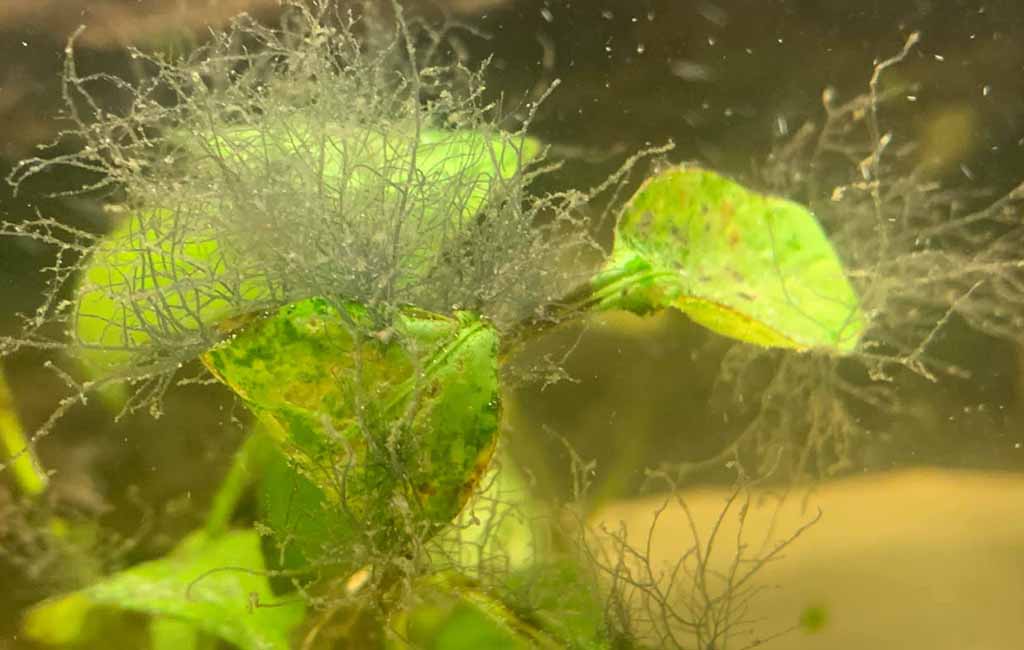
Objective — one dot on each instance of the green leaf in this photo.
(162, 275)
(563, 601)
(172, 634)
(304, 519)
(545, 606)
(452, 613)
(151, 279)
(218, 586)
(498, 530)
(752, 267)
(464, 166)
(396, 426)
(503, 540)
(458, 625)
(61, 621)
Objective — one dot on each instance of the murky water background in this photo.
(936, 499)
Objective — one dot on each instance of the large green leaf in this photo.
(218, 586)
(466, 166)
(173, 634)
(395, 427)
(164, 274)
(154, 278)
(304, 519)
(749, 266)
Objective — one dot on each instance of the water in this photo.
(922, 509)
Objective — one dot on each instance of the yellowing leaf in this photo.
(397, 426)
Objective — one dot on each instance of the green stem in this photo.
(249, 460)
(15, 449)
(610, 288)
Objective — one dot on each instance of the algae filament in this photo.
(341, 230)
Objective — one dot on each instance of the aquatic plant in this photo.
(341, 230)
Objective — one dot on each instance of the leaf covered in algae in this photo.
(752, 267)
(396, 425)
(167, 275)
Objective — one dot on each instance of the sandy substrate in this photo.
(922, 559)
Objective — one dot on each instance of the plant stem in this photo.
(15, 449)
(608, 289)
(246, 465)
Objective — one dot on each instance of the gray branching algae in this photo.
(348, 170)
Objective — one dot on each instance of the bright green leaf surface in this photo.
(151, 279)
(173, 634)
(398, 427)
(61, 621)
(213, 585)
(161, 274)
(752, 267)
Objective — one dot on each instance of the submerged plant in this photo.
(340, 229)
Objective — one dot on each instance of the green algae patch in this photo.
(395, 425)
(749, 266)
